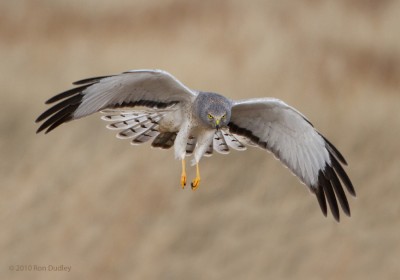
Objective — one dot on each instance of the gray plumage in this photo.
(209, 104)
(152, 105)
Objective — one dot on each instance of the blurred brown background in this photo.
(78, 197)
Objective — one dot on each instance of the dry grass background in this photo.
(81, 198)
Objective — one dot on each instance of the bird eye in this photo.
(223, 117)
(210, 116)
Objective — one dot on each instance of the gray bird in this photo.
(153, 105)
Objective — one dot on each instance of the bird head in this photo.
(214, 110)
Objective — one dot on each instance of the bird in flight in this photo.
(152, 105)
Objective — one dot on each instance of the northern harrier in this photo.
(153, 105)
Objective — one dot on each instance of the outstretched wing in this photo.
(150, 88)
(281, 129)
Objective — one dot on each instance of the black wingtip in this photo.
(319, 193)
(91, 80)
(329, 189)
(325, 187)
(343, 176)
(59, 113)
(50, 100)
(334, 151)
(338, 189)
(69, 102)
(68, 93)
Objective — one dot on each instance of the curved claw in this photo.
(183, 181)
(183, 176)
(196, 182)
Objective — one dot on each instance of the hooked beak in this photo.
(217, 121)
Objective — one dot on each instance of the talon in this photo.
(183, 181)
(183, 176)
(196, 182)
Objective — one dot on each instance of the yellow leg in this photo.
(196, 181)
(183, 176)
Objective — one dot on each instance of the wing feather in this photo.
(209, 151)
(149, 134)
(282, 130)
(219, 143)
(330, 195)
(233, 141)
(322, 201)
(155, 89)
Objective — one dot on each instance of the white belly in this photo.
(171, 121)
(191, 127)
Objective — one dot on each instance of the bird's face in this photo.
(214, 110)
(217, 120)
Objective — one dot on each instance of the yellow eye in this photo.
(210, 116)
(223, 117)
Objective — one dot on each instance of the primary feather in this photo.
(285, 132)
